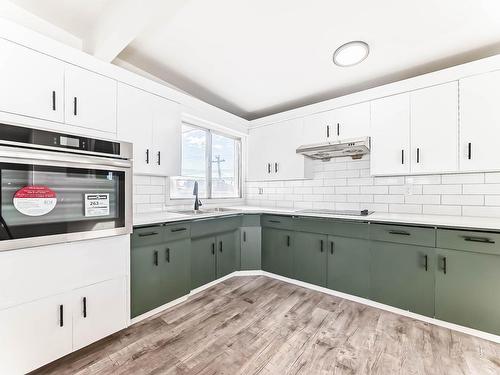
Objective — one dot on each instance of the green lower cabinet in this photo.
(227, 254)
(202, 261)
(468, 294)
(145, 279)
(277, 251)
(403, 276)
(251, 238)
(310, 258)
(175, 270)
(349, 265)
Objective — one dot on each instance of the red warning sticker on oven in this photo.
(35, 200)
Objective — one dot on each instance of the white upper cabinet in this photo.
(434, 129)
(90, 100)
(33, 83)
(318, 128)
(153, 125)
(352, 121)
(167, 137)
(271, 152)
(390, 132)
(480, 122)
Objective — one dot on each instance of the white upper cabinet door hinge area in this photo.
(480, 122)
(434, 129)
(33, 83)
(90, 100)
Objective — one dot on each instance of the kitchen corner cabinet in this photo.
(35, 83)
(270, 157)
(251, 238)
(153, 125)
(90, 99)
(480, 122)
(277, 251)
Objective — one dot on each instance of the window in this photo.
(211, 158)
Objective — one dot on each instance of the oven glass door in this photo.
(39, 200)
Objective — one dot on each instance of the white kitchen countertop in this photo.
(466, 222)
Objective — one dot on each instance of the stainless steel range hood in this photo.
(354, 148)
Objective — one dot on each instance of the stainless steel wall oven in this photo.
(60, 187)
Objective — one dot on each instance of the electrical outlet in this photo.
(261, 191)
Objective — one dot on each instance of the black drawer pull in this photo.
(332, 247)
(479, 239)
(469, 151)
(178, 230)
(159, 158)
(147, 156)
(75, 106)
(444, 265)
(418, 155)
(328, 131)
(167, 253)
(399, 232)
(321, 246)
(338, 129)
(275, 221)
(402, 156)
(148, 234)
(213, 248)
(84, 307)
(268, 167)
(61, 316)
(220, 246)
(426, 262)
(53, 100)
(155, 258)
(244, 236)
(288, 241)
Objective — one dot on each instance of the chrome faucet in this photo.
(197, 202)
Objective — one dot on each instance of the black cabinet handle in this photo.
(155, 258)
(167, 253)
(426, 262)
(268, 167)
(321, 246)
(332, 246)
(75, 106)
(244, 236)
(147, 156)
(84, 307)
(338, 129)
(444, 265)
(328, 131)
(288, 241)
(178, 230)
(53, 100)
(469, 151)
(220, 246)
(159, 158)
(418, 155)
(275, 221)
(479, 239)
(213, 248)
(148, 234)
(399, 232)
(276, 167)
(402, 156)
(61, 316)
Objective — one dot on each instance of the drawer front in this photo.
(351, 230)
(212, 226)
(150, 235)
(276, 221)
(250, 220)
(178, 231)
(313, 225)
(476, 242)
(403, 234)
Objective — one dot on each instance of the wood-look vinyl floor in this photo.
(259, 325)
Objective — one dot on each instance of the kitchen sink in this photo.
(205, 211)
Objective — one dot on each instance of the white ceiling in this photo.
(258, 57)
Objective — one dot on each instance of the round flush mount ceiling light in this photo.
(351, 53)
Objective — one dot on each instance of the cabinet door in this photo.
(318, 128)
(166, 147)
(467, 294)
(251, 248)
(98, 311)
(309, 257)
(202, 261)
(35, 334)
(33, 83)
(434, 129)
(259, 153)
(352, 121)
(227, 253)
(135, 124)
(390, 129)
(90, 100)
(480, 122)
(400, 278)
(175, 270)
(277, 251)
(145, 279)
(349, 266)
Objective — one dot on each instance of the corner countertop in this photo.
(442, 221)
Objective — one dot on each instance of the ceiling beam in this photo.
(122, 21)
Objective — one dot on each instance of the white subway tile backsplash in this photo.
(442, 189)
(463, 200)
(423, 180)
(442, 210)
(360, 181)
(423, 199)
(482, 189)
(492, 200)
(374, 190)
(465, 178)
(390, 180)
(347, 190)
(483, 211)
(303, 190)
(360, 198)
(490, 178)
(391, 198)
(405, 208)
(405, 189)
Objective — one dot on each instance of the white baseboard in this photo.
(364, 301)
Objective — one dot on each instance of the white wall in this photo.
(344, 183)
